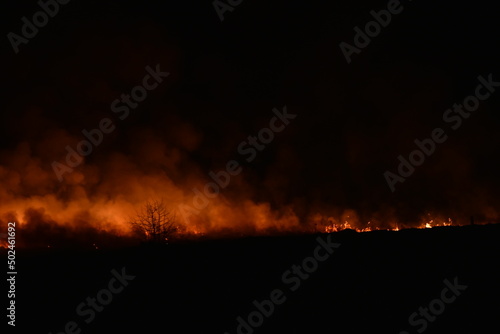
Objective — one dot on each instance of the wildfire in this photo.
(220, 217)
(333, 227)
(195, 232)
(337, 228)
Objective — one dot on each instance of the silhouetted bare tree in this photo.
(154, 222)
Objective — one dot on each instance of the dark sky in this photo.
(353, 122)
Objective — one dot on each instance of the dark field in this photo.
(373, 282)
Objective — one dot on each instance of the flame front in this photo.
(104, 195)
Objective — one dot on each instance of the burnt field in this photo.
(445, 279)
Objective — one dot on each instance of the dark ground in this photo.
(372, 283)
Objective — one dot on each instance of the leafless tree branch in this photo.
(154, 222)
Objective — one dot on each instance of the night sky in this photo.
(225, 78)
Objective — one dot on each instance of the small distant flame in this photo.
(332, 227)
(196, 232)
(345, 226)
(432, 223)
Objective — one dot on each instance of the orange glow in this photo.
(106, 199)
(105, 191)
